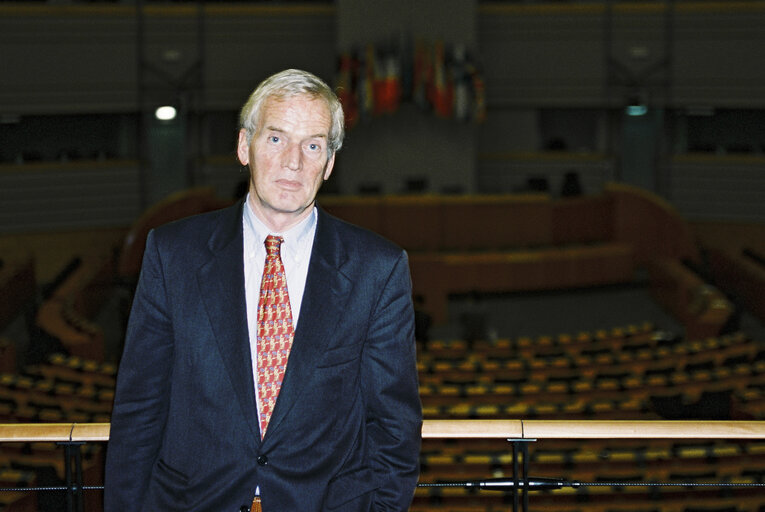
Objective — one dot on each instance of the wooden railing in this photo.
(53, 432)
(460, 429)
(591, 429)
(515, 431)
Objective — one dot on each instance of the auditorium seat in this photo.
(77, 370)
(606, 374)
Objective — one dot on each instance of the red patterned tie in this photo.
(275, 330)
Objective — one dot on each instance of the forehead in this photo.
(296, 113)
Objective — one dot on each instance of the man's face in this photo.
(287, 157)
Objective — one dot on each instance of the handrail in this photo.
(592, 429)
(516, 432)
(462, 429)
(53, 432)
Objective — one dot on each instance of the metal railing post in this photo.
(73, 475)
(520, 492)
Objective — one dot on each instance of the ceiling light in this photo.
(165, 113)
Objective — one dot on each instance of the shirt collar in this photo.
(294, 237)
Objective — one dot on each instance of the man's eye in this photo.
(274, 138)
(314, 147)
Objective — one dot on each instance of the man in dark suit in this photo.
(203, 420)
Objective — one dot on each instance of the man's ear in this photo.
(330, 165)
(243, 147)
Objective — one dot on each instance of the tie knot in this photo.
(273, 243)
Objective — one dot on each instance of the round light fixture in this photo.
(165, 113)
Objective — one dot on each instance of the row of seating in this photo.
(57, 391)
(664, 456)
(745, 383)
(623, 373)
(76, 370)
(64, 389)
(597, 461)
(629, 339)
(572, 381)
(612, 408)
(616, 340)
(728, 352)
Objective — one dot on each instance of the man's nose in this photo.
(293, 157)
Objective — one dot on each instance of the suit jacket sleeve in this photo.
(142, 396)
(390, 386)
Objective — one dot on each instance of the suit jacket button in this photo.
(262, 460)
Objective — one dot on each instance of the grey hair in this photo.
(294, 82)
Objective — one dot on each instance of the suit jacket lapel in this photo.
(221, 282)
(324, 300)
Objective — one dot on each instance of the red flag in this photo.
(345, 90)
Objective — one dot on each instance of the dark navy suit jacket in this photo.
(345, 432)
